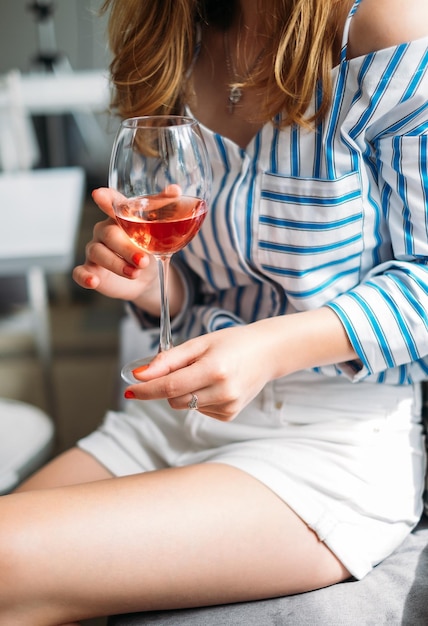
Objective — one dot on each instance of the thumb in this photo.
(104, 198)
(169, 361)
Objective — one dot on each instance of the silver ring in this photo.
(193, 404)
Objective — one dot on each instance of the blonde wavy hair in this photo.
(153, 44)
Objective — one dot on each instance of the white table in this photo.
(82, 94)
(64, 92)
(39, 219)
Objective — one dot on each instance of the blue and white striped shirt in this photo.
(336, 217)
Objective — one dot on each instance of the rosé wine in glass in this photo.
(161, 230)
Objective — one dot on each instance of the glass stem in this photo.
(165, 342)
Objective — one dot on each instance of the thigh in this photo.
(71, 467)
(183, 537)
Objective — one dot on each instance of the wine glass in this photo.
(160, 170)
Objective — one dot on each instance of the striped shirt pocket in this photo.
(310, 236)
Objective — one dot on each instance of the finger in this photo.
(180, 393)
(141, 206)
(171, 191)
(85, 278)
(224, 412)
(105, 197)
(214, 414)
(220, 410)
(111, 246)
(99, 255)
(190, 400)
(177, 358)
(90, 276)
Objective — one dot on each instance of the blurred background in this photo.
(54, 90)
(80, 33)
(58, 343)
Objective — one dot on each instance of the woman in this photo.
(303, 327)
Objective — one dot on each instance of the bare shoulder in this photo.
(380, 24)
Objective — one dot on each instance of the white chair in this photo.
(26, 442)
(39, 218)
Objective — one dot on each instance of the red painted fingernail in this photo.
(139, 370)
(88, 281)
(129, 395)
(136, 258)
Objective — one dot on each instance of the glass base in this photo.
(128, 369)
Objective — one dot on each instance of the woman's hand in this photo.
(225, 369)
(114, 266)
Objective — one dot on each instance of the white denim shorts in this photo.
(348, 458)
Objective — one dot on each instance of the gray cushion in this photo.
(394, 593)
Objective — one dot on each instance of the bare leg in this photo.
(70, 468)
(174, 538)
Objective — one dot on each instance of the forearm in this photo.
(303, 341)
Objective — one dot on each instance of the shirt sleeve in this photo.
(385, 316)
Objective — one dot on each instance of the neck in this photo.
(244, 43)
(248, 15)
(246, 21)
(243, 51)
